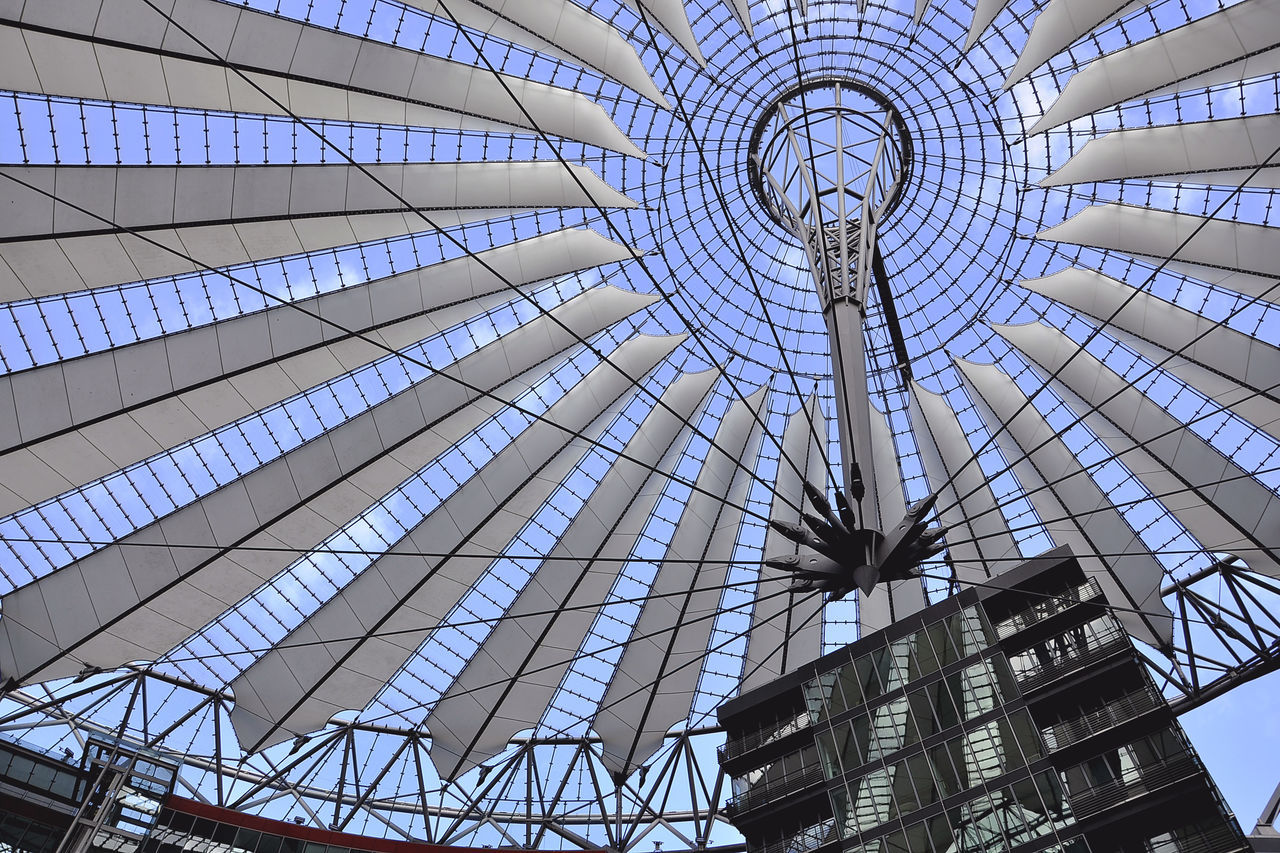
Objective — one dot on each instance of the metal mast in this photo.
(829, 160)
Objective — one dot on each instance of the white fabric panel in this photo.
(348, 649)
(888, 602)
(1222, 506)
(742, 12)
(558, 28)
(314, 72)
(1235, 370)
(983, 546)
(1206, 152)
(654, 683)
(786, 630)
(1218, 243)
(257, 211)
(507, 686)
(1060, 24)
(1237, 42)
(157, 597)
(33, 268)
(1074, 511)
(93, 390)
(983, 14)
(670, 17)
(51, 466)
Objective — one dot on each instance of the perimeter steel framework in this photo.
(395, 394)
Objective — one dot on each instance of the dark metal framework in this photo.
(963, 232)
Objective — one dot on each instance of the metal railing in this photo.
(1047, 607)
(774, 789)
(743, 744)
(1148, 778)
(1109, 716)
(1101, 646)
(807, 839)
(1220, 839)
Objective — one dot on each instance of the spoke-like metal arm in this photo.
(844, 558)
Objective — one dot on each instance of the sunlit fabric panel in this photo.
(1071, 506)
(985, 11)
(514, 675)
(1059, 24)
(211, 55)
(1235, 370)
(670, 17)
(116, 224)
(1237, 255)
(558, 28)
(1232, 44)
(1221, 504)
(1224, 152)
(342, 656)
(654, 683)
(983, 545)
(888, 602)
(742, 11)
(786, 628)
(125, 404)
(137, 599)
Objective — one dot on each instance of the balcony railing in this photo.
(1047, 607)
(743, 744)
(1220, 839)
(1100, 646)
(774, 789)
(1109, 716)
(807, 839)
(1150, 777)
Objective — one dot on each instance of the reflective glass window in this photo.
(817, 694)
(1031, 810)
(917, 835)
(922, 713)
(1010, 751)
(923, 660)
(848, 682)
(904, 792)
(868, 678)
(1004, 675)
(872, 802)
(947, 761)
(982, 753)
(944, 645)
(840, 808)
(978, 690)
(864, 733)
(1051, 794)
(893, 727)
(940, 835)
(898, 672)
(979, 828)
(976, 635)
(896, 842)
(922, 778)
(247, 839)
(829, 752)
(1027, 734)
(882, 663)
(945, 712)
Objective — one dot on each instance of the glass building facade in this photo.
(1017, 717)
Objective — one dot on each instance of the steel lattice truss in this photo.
(395, 395)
